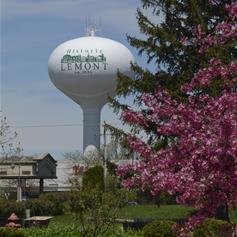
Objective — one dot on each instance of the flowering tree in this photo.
(199, 161)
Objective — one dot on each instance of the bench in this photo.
(37, 221)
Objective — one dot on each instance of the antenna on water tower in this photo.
(92, 26)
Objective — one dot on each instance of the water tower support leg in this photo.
(91, 127)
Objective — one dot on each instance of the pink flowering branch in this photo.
(216, 70)
(199, 165)
(223, 32)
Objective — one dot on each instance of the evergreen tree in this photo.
(163, 46)
(175, 63)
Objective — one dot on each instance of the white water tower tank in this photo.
(85, 69)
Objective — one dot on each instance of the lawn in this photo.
(61, 226)
(135, 212)
(163, 212)
(155, 212)
(143, 212)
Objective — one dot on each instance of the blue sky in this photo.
(30, 30)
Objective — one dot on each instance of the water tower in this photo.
(85, 69)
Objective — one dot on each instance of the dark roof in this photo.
(41, 157)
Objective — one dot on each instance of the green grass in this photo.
(155, 212)
(134, 212)
(65, 220)
(142, 211)
(233, 215)
(63, 226)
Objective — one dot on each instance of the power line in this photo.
(54, 125)
(46, 125)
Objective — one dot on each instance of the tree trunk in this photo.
(222, 213)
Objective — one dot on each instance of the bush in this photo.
(55, 202)
(165, 199)
(111, 183)
(52, 232)
(70, 232)
(9, 206)
(95, 212)
(7, 232)
(213, 228)
(159, 229)
(111, 168)
(94, 177)
(46, 204)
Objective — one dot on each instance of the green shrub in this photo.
(52, 232)
(111, 183)
(9, 232)
(46, 204)
(9, 206)
(94, 177)
(95, 212)
(111, 168)
(165, 199)
(54, 202)
(159, 229)
(70, 232)
(131, 234)
(213, 228)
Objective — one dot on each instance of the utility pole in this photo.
(105, 154)
(19, 188)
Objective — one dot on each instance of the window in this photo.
(26, 172)
(3, 172)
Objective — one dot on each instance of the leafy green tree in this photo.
(94, 176)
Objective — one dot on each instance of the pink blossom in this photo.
(205, 76)
(223, 32)
(199, 164)
(203, 159)
(184, 41)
